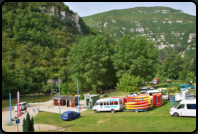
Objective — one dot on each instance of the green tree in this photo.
(172, 66)
(128, 83)
(28, 124)
(186, 63)
(182, 75)
(192, 67)
(88, 61)
(190, 77)
(134, 56)
(168, 66)
(178, 66)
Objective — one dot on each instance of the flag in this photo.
(18, 101)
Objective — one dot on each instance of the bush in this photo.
(28, 124)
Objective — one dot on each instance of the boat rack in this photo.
(135, 110)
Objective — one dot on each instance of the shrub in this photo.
(28, 124)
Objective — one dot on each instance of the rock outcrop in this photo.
(67, 16)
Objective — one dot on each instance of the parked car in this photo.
(26, 105)
(133, 94)
(186, 86)
(70, 115)
(186, 90)
(23, 106)
(165, 96)
(145, 89)
(184, 108)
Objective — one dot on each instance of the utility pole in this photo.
(10, 110)
(59, 97)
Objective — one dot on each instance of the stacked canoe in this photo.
(142, 97)
(157, 100)
(138, 102)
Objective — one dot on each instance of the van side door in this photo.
(181, 110)
(96, 106)
(101, 106)
(191, 110)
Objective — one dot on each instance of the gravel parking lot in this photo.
(43, 106)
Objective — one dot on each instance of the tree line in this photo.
(37, 47)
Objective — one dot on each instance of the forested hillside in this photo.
(35, 44)
(43, 42)
(172, 30)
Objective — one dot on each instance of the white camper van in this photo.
(151, 92)
(184, 108)
(109, 104)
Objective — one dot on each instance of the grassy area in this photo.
(115, 93)
(30, 99)
(191, 91)
(36, 101)
(154, 120)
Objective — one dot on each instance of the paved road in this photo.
(43, 106)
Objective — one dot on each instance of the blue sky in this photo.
(90, 8)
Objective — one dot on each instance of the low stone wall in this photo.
(32, 109)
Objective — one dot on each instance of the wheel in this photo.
(78, 116)
(70, 119)
(112, 111)
(176, 115)
(95, 111)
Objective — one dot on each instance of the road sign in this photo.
(17, 121)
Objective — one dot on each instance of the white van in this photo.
(184, 108)
(109, 104)
(151, 92)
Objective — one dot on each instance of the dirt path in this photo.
(37, 127)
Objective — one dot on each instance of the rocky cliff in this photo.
(65, 15)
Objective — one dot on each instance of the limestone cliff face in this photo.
(64, 15)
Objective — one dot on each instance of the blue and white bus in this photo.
(108, 104)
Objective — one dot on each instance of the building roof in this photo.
(65, 97)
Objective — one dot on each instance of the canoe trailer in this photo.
(136, 110)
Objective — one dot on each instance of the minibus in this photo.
(108, 104)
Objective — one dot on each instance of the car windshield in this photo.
(19, 105)
(65, 114)
(177, 105)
